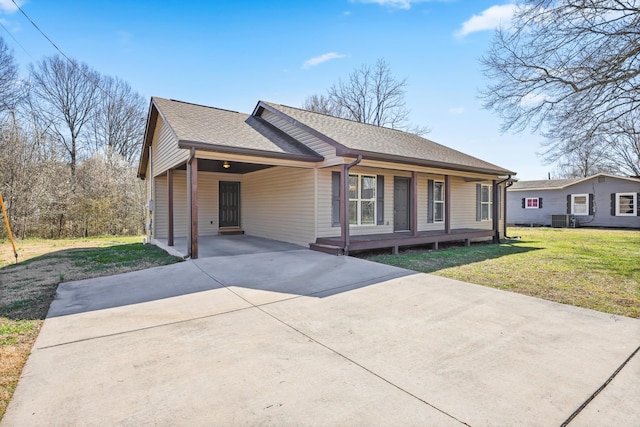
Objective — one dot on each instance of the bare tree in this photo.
(9, 86)
(67, 92)
(566, 68)
(371, 95)
(119, 121)
(322, 104)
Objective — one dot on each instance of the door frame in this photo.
(407, 180)
(238, 186)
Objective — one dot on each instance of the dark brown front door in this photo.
(401, 203)
(229, 206)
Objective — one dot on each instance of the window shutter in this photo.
(637, 203)
(430, 207)
(335, 199)
(613, 204)
(380, 199)
(592, 209)
(523, 203)
(478, 202)
(540, 203)
(568, 203)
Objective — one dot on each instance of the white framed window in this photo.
(532, 203)
(580, 204)
(485, 203)
(438, 201)
(362, 199)
(626, 204)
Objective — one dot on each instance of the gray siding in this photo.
(555, 203)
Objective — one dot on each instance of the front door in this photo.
(229, 205)
(401, 203)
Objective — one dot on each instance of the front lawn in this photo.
(592, 268)
(28, 287)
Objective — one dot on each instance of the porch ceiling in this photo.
(206, 165)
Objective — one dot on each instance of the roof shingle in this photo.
(385, 141)
(217, 127)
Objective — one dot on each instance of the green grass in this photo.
(591, 268)
(28, 287)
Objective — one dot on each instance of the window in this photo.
(362, 199)
(579, 204)
(438, 201)
(531, 203)
(485, 203)
(626, 204)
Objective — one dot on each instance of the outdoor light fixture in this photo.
(226, 165)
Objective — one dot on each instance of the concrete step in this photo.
(328, 249)
(229, 231)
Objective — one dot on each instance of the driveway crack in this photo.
(602, 387)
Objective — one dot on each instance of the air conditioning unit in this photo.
(563, 221)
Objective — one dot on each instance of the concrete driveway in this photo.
(303, 338)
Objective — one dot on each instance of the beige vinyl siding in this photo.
(161, 215)
(463, 201)
(324, 203)
(278, 203)
(207, 203)
(325, 150)
(159, 206)
(165, 151)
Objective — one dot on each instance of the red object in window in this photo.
(532, 203)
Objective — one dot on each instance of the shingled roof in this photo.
(382, 143)
(559, 184)
(230, 131)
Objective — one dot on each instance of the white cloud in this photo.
(488, 20)
(320, 59)
(456, 110)
(8, 6)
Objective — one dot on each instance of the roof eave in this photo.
(152, 118)
(420, 162)
(205, 146)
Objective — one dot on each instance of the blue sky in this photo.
(230, 54)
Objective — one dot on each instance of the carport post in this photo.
(170, 206)
(192, 206)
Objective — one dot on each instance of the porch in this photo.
(335, 245)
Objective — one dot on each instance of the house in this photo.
(307, 178)
(600, 200)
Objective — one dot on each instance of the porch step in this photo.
(230, 231)
(327, 249)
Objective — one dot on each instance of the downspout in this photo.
(503, 207)
(346, 203)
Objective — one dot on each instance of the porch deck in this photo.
(335, 245)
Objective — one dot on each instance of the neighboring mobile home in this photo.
(600, 200)
(307, 178)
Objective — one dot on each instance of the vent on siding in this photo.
(601, 179)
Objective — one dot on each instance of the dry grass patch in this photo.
(591, 268)
(27, 288)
